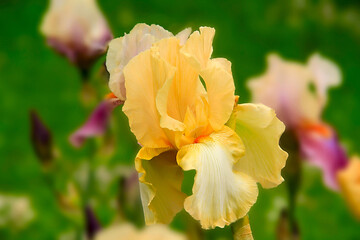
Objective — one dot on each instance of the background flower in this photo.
(76, 29)
(298, 93)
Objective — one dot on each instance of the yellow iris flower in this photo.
(183, 124)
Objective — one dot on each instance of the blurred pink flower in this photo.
(96, 123)
(298, 93)
(320, 145)
(76, 29)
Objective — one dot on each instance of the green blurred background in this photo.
(34, 77)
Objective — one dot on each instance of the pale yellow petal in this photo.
(183, 35)
(123, 49)
(349, 181)
(220, 194)
(260, 130)
(226, 64)
(117, 84)
(160, 184)
(112, 57)
(242, 229)
(198, 48)
(220, 91)
(115, 68)
(145, 74)
(159, 32)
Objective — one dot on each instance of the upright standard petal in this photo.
(198, 48)
(260, 130)
(349, 181)
(123, 49)
(145, 74)
(220, 91)
(182, 91)
(320, 146)
(160, 184)
(183, 35)
(220, 194)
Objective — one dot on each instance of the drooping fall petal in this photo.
(242, 229)
(220, 194)
(160, 184)
(260, 130)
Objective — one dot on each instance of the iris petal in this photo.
(260, 130)
(160, 184)
(143, 84)
(220, 194)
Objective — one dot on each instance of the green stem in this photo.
(292, 176)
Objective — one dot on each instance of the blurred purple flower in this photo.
(96, 123)
(320, 146)
(41, 138)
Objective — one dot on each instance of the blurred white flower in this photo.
(129, 232)
(15, 212)
(76, 29)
